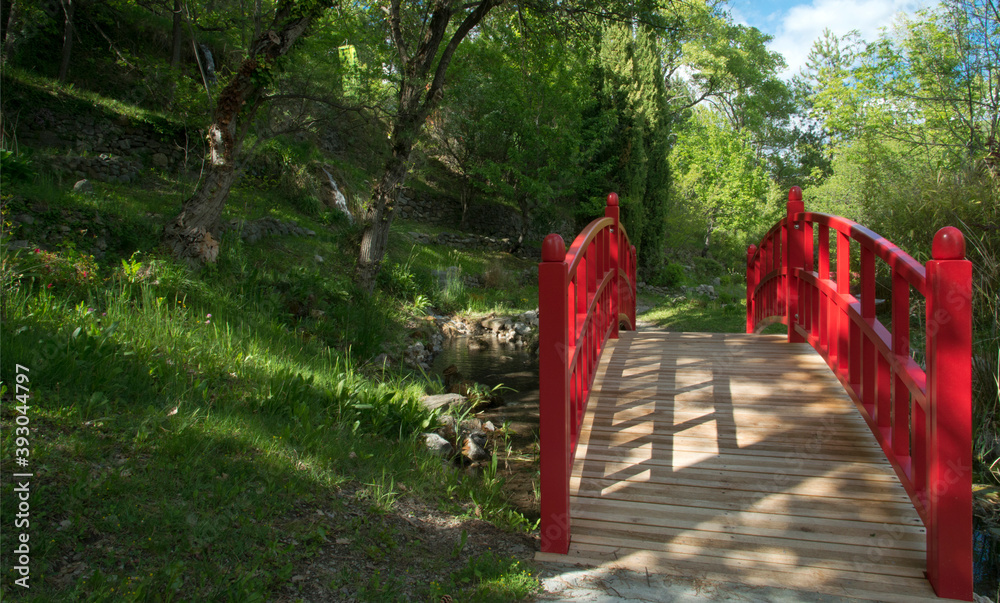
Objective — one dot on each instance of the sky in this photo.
(795, 24)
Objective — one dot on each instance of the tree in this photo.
(717, 174)
(176, 35)
(829, 107)
(188, 235)
(422, 62)
(939, 76)
(654, 110)
(734, 71)
(421, 78)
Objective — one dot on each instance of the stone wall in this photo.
(104, 148)
(494, 220)
(484, 218)
(429, 209)
(105, 167)
(464, 241)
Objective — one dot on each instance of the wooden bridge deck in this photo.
(738, 458)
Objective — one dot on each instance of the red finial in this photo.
(751, 250)
(613, 199)
(795, 194)
(553, 248)
(949, 244)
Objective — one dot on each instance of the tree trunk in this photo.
(13, 19)
(175, 45)
(466, 193)
(68, 7)
(189, 235)
(522, 202)
(708, 237)
(382, 208)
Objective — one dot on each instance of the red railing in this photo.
(583, 294)
(921, 417)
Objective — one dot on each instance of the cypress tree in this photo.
(651, 101)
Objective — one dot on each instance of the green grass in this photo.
(697, 314)
(411, 267)
(166, 434)
(30, 87)
(185, 426)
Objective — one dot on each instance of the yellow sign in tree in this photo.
(350, 79)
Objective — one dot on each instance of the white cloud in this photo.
(803, 23)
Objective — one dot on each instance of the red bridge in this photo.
(827, 460)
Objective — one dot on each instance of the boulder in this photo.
(441, 401)
(438, 445)
(493, 324)
(473, 449)
(83, 186)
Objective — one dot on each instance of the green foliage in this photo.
(734, 70)
(909, 119)
(494, 578)
(717, 177)
(15, 167)
(670, 275)
(399, 280)
(626, 136)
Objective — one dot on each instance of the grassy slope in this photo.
(188, 428)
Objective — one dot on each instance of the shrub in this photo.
(670, 275)
(495, 276)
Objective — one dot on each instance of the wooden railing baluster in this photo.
(824, 298)
(867, 365)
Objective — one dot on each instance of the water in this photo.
(493, 364)
(985, 558)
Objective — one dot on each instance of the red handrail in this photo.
(583, 295)
(922, 418)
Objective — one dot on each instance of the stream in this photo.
(493, 363)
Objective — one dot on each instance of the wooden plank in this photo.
(838, 531)
(752, 443)
(661, 423)
(784, 504)
(702, 546)
(691, 465)
(789, 465)
(595, 482)
(750, 399)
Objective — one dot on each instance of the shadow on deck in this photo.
(738, 458)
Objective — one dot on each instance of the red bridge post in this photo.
(949, 417)
(751, 285)
(614, 212)
(553, 386)
(792, 256)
